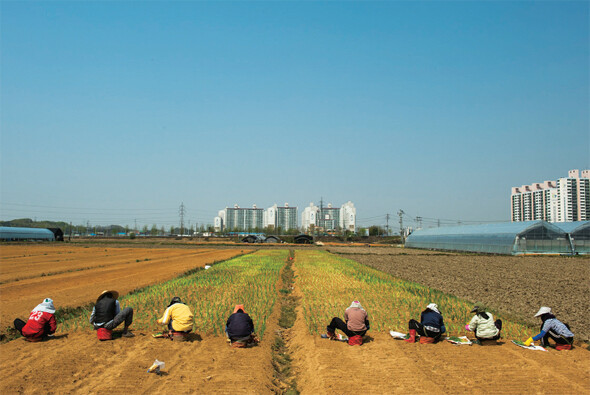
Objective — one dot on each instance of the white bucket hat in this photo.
(543, 310)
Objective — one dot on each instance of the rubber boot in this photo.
(412, 338)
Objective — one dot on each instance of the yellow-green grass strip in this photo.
(329, 283)
(211, 295)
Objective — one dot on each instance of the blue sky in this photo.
(116, 111)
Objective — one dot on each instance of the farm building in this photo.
(579, 235)
(10, 233)
(530, 237)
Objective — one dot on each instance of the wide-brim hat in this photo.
(114, 293)
(543, 310)
(477, 309)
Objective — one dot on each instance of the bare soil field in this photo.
(74, 276)
(514, 286)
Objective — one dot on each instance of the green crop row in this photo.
(211, 295)
(329, 284)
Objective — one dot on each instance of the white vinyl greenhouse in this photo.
(530, 237)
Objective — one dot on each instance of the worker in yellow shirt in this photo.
(179, 319)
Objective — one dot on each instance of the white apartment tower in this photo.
(348, 216)
(329, 218)
(309, 217)
(243, 219)
(564, 200)
(573, 194)
(284, 218)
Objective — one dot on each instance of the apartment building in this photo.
(329, 218)
(564, 200)
(243, 219)
(284, 218)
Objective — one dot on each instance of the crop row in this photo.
(329, 283)
(211, 294)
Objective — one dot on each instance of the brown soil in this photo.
(79, 363)
(94, 270)
(513, 286)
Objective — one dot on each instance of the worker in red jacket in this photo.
(41, 323)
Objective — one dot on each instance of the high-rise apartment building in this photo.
(309, 217)
(243, 219)
(348, 216)
(284, 218)
(329, 218)
(564, 200)
(573, 194)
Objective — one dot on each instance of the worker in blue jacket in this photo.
(554, 329)
(431, 324)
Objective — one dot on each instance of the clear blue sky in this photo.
(115, 111)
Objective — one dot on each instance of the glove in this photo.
(467, 327)
(528, 341)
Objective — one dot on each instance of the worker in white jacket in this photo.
(483, 325)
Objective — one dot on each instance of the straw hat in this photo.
(543, 310)
(114, 293)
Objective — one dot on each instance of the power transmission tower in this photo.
(387, 221)
(181, 214)
(401, 224)
(419, 221)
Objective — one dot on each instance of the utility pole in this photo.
(401, 224)
(387, 221)
(70, 230)
(438, 223)
(181, 212)
(135, 229)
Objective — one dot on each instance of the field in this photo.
(74, 276)
(512, 286)
(325, 284)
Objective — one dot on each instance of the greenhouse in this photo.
(530, 237)
(579, 235)
(10, 233)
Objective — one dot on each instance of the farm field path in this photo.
(76, 288)
(79, 363)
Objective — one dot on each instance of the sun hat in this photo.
(433, 307)
(175, 299)
(543, 310)
(478, 308)
(114, 293)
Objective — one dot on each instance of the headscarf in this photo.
(355, 304)
(46, 306)
(239, 307)
(433, 307)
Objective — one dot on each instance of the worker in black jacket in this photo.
(107, 314)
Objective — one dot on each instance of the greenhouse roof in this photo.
(505, 228)
(572, 227)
